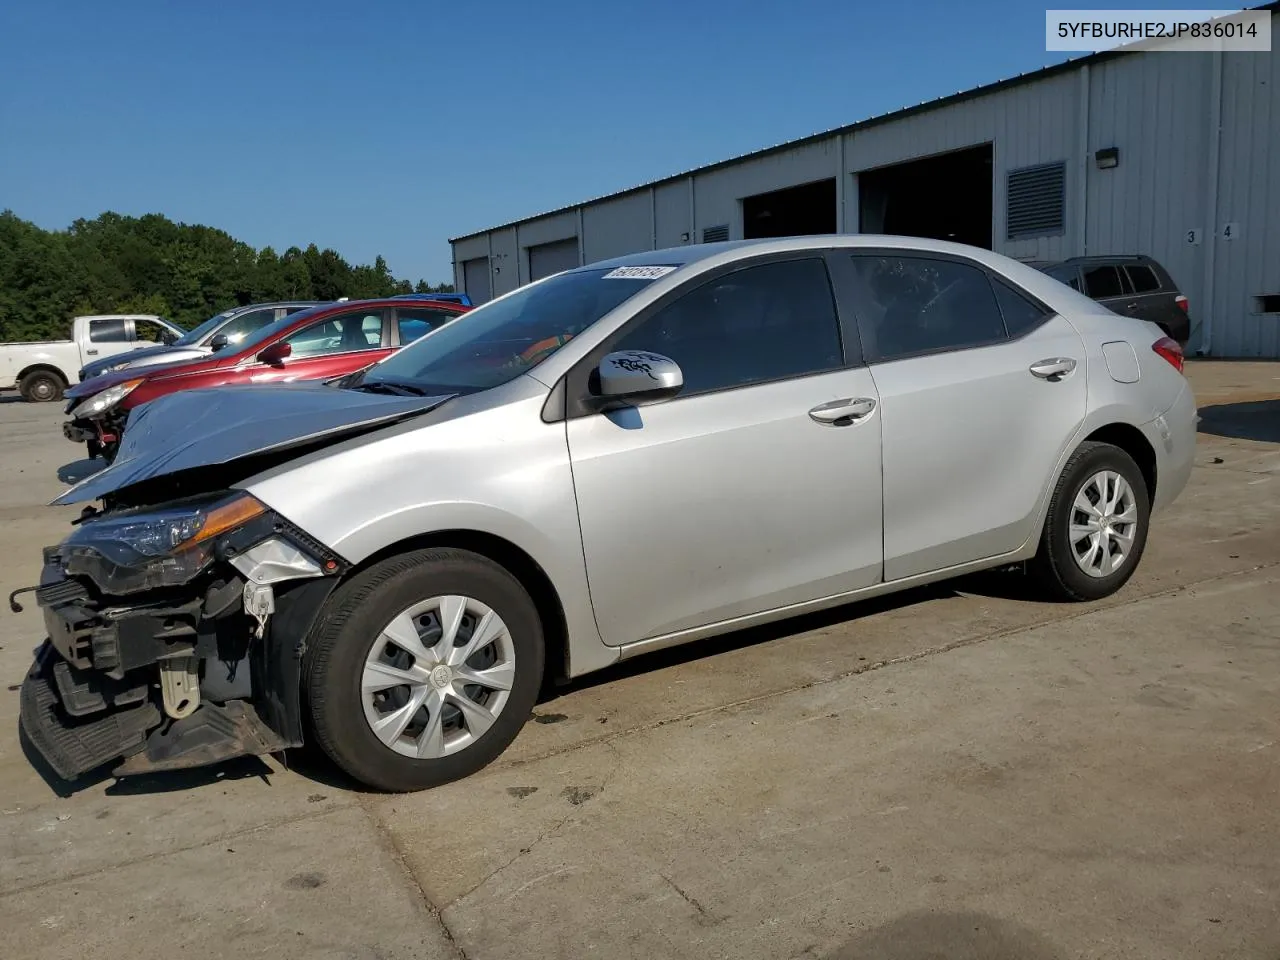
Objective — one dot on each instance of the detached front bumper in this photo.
(93, 694)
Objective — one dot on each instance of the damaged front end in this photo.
(176, 634)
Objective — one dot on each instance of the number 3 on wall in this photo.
(1193, 236)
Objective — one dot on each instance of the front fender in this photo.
(499, 472)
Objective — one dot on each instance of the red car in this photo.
(316, 344)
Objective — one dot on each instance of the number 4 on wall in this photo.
(1230, 230)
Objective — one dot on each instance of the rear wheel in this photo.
(1096, 528)
(423, 669)
(41, 386)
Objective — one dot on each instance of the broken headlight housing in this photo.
(151, 548)
(104, 400)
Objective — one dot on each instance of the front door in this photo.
(750, 490)
(328, 348)
(981, 389)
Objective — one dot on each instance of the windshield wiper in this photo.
(392, 387)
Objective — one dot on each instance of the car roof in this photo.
(276, 303)
(1110, 258)
(725, 249)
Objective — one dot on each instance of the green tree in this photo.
(151, 264)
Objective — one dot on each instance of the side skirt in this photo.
(641, 647)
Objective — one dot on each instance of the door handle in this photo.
(1131, 306)
(91, 353)
(841, 413)
(1053, 369)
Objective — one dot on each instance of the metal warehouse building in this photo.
(1176, 155)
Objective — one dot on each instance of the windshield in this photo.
(193, 336)
(500, 340)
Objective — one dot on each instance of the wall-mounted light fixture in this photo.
(684, 237)
(1107, 158)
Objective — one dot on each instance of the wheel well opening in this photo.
(1131, 440)
(516, 562)
(41, 368)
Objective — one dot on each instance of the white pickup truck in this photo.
(43, 370)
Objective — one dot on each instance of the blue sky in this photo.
(387, 126)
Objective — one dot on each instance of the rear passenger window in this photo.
(1103, 282)
(1143, 278)
(754, 325)
(913, 305)
(414, 323)
(1020, 314)
(114, 330)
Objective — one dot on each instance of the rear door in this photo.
(1109, 285)
(745, 492)
(107, 337)
(1155, 299)
(972, 414)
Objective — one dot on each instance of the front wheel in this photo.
(41, 386)
(1096, 528)
(423, 669)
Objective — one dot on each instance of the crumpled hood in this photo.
(215, 425)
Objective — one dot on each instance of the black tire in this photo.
(41, 386)
(345, 631)
(1054, 566)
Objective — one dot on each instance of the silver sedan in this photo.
(622, 457)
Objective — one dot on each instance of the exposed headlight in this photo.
(130, 552)
(103, 401)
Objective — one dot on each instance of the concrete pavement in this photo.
(958, 772)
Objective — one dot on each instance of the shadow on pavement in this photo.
(950, 934)
(1256, 420)
(75, 471)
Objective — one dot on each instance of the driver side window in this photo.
(148, 331)
(247, 323)
(344, 333)
(762, 323)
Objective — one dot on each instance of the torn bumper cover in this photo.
(178, 676)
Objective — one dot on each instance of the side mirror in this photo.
(167, 337)
(628, 376)
(218, 342)
(275, 354)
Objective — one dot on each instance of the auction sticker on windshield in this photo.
(637, 273)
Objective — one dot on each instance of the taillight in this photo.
(1181, 301)
(1168, 348)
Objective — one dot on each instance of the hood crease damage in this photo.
(241, 429)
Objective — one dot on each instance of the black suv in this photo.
(1134, 286)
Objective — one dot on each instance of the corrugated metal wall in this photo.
(1027, 125)
(1248, 266)
(1155, 110)
(613, 227)
(718, 194)
(1158, 109)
